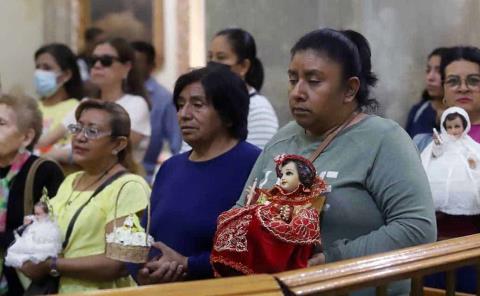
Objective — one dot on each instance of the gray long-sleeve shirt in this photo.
(380, 199)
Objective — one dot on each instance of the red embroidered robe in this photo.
(254, 239)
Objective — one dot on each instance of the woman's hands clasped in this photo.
(171, 266)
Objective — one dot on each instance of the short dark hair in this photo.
(92, 33)
(147, 49)
(305, 174)
(119, 124)
(243, 45)
(225, 90)
(439, 51)
(453, 116)
(347, 48)
(67, 61)
(467, 53)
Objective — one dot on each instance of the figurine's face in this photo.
(39, 212)
(454, 127)
(289, 179)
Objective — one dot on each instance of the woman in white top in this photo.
(113, 70)
(236, 48)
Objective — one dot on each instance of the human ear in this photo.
(244, 66)
(66, 76)
(127, 66)
(351, 89)
(120, 144)
(28, 138)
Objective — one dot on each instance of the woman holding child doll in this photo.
(84, 206)
(380, 198)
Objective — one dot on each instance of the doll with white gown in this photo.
(41, 239)
(452, 165)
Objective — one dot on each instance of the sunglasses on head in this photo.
(105, 60)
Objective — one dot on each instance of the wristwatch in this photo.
(53, 267)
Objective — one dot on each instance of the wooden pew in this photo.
(339, 278)
(342, 277)
(261, 285)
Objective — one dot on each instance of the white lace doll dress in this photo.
(40, 240)
(454, 183)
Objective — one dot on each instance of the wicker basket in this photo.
(133, 254)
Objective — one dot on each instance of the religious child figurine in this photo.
(41, 238)
(452, 165)
(278, 228)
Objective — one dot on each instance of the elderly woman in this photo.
(101, 148)
(370, 162)
(20, 128)
(193, 188)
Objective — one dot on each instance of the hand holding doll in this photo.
(278, 228)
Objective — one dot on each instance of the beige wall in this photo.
(21, 32)
(401, 34)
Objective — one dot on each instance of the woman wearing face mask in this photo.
(113, 70)
(58, 85)
(236, 48)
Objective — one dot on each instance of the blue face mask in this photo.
(45, 83)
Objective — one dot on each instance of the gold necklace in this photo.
(72, 198)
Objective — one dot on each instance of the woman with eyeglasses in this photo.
(85, 202)
(114, 71)
(20, 128)
(460, 71)
(58, 86)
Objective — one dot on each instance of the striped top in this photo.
(262, 122)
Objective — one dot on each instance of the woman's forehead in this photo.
(105, 48)
(94, 117)
(310, 60)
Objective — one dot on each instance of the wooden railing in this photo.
(342, 277)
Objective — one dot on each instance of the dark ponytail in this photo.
(349, 49)
(243, 45)
(367, 77)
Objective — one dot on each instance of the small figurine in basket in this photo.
(40, 238)
(278, 228)
(129, 243)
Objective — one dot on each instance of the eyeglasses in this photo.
(90, 132)
(105, 60)
(471, 81)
